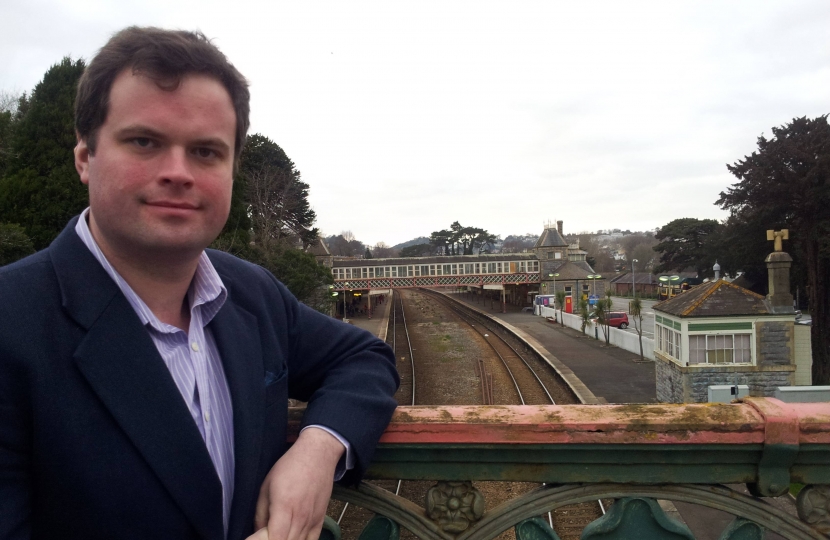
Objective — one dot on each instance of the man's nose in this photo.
(176, 168)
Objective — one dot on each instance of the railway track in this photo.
(402, 346)
(530, 390)
(533, 382)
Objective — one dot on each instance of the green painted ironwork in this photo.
(570, 463)
(708, 327)
(535, 529)
(331, 530)
(549, 498)
(632, 454)
(742, 529)
(380, 528)
(636, 517)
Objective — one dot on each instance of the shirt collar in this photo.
(207, 293)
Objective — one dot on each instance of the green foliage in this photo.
(40, 188)
(637, 317)
(270, 215)
(307, 280)
(560, 301)
(368, 254)
(687, 242)
(345, 245)
(601, 309)
(786, 184)
(460, 240)
(301, 273)
(273, 194)
(583, 314)
(441, 240)
(418, 250)
(14, 244)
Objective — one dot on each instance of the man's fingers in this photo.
(263, 503)
(283, 526)
(261, 534)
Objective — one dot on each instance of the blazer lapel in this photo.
(122, 365)
(237, 338)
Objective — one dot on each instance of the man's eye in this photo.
(205, 152)
(143, 142)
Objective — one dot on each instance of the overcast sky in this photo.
(406, 116)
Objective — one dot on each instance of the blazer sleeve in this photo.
(347, 376)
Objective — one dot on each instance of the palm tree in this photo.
(602, 308)
(560, 301)
(583, 312)
(637, 315)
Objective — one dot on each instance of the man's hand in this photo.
(294, 496)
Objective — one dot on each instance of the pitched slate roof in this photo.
(550, 238)
(642, 278)
(319, 248)
(573, 270)
(715, 299)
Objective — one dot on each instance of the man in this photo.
(143, 380)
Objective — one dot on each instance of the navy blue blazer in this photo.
(95, 438)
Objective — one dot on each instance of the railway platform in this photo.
(612, 374)
(377, 323)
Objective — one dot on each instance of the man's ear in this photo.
(82, 155)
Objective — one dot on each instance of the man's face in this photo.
(161, 177)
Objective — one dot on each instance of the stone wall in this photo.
(669, 381)
(803, 355)
(676, 384)
(775, 343)
(761, 383)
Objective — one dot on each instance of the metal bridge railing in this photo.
(633, 454)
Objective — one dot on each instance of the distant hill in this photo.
(413, 242)
(518, 243)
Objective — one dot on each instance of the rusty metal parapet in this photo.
(678, 452)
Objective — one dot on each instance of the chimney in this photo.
(716, 268)
(778, 262)
(559, 226)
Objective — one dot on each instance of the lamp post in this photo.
(633, 281)
(594, 278)
(554, 276)
(345, 286)
(669, 280)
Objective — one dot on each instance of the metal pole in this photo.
(633, 280)
(345, 286)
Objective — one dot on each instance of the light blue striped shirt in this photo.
(194, 362)
(192, 358)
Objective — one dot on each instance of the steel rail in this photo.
(460, 309)
(398, 301)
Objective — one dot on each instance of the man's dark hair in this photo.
(164, 56)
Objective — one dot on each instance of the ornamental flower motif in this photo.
(454, 505)
(813, 506)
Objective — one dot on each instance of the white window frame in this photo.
(712, 344)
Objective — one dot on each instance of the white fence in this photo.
(619, 338)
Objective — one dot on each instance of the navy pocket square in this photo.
(270, 378)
